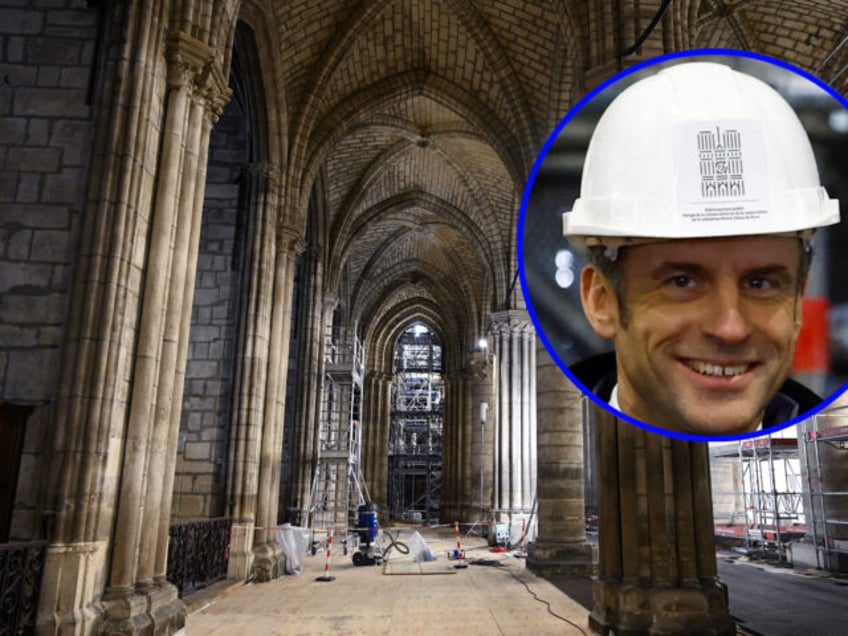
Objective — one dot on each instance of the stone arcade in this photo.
(199, 198)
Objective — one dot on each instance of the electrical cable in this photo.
(654, 22)
(500, 564)
(496, 563)
(548, 605)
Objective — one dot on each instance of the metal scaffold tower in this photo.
(825, 446)
(771, 492)
(337, 485)
(415, 438)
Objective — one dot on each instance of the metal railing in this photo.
(21, 568)
(198, 553)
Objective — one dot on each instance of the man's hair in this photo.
(609, 264)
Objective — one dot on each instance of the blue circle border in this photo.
(520, 237)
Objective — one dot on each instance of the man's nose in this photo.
(725, 316)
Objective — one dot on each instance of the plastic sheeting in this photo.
(294, 541)
(418, 548)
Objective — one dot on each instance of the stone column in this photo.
(91, 410)
(380, 486)
(269, 560)
(137, 594)
(447, 509)
(323, 306)
(482, 436)
(375, 430)
(515, 418)
(251, 382)
(455, 437)
(161, 461)
(467, 425)
(370, 443)
(207, 110)
(657, 570)
(561, 547)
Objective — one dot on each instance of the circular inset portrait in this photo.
(680, 242)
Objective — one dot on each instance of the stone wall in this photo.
(46, 63)
(207, 402)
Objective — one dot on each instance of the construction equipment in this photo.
(338, 488)
(367, 530)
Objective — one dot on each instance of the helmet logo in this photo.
(716, 188)
(720, 155)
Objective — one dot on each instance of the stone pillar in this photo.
(137, 593)
(515, 417)
(269, 560)
(375, 430)
(370, 443)
(324, 306)
(251, 382)
(91, 409)
(448, 509)
(482, 436)
(561, 547)
(379, 488)
(657, 570)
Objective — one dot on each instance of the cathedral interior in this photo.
(259, 264)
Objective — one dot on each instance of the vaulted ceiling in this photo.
(412, 126)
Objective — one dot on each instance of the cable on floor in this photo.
(547, 604)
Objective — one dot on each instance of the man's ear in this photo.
(600, 303)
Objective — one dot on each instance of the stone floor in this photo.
(495, 594)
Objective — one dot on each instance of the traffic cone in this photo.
(326, 576)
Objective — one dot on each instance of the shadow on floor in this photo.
(580, 589)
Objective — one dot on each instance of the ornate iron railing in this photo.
(198, 553)
(21, 567)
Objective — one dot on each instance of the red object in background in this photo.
(812, 351)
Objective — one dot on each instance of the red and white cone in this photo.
(326, 576)
(459, 553)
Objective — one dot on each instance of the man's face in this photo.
(706, 331)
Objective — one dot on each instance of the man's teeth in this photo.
(714, 369)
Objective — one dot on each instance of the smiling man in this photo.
(699, 196)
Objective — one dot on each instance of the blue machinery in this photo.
(367, 529)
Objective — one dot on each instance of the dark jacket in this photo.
(598, 374)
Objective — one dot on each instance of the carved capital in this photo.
(330, 302)
(192, 63)
(479, 366)
(512, 322)
(290, 241)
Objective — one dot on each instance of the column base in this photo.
(155, 610)
(240, 564)
(578, 559)
(71, 589)
(269, 562)
(167, 608)
(631, 610)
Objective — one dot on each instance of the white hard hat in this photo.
(698, 150)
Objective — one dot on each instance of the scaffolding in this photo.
(338, 488)
(771, 492)
(828, 528)
(415, 438)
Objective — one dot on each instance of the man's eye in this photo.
(760, 283)
(681, 281)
